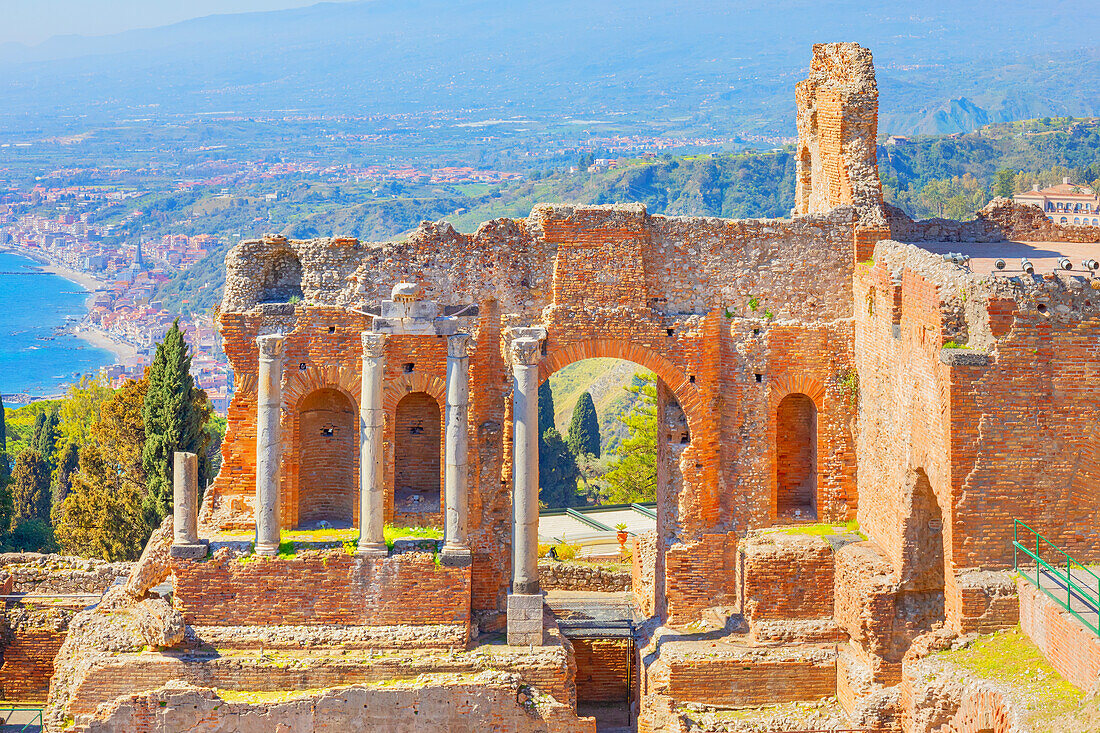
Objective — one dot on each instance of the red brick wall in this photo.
(786, 577)
(699, 575)
(1070, 648)
(744, 682)
(28, 664)
(604, 669)
(322, 588)
(796, 456)
(328, 459)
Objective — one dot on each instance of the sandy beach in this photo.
(124, 353)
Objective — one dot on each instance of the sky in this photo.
(33, 21)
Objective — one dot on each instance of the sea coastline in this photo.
(122, 351)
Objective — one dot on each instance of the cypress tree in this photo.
(44, 439)
(67, 463)
(546, 408)
(30, 486)
(173, 415)
(584, 428)
(558, 472)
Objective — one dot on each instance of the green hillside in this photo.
(606, 380)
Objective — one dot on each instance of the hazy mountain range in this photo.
(699, 65)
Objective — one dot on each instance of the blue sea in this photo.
(31, 308)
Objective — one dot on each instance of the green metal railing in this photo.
(1062, 574)
(33, 722)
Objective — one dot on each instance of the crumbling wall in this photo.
(1001, 220)
(471, 704)
(321, 588)
(590, 576)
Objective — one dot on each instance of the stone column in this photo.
(525, 601)
(185, 507)
(455, 549)
(269, 406)
(372, 494)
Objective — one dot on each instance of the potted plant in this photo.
(621, 535)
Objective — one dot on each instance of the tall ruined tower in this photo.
(837, 163)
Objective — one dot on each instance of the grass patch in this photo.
(955, 345)
(1010, 657)
(823, 529)
(301, 539)
(391, 533)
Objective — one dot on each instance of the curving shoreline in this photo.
(122, 351)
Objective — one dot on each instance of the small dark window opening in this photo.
(328, 431)
(668, 332)
(542, 348)
(417, 429)
(302, 366)
(409, 366)
(756, 332)
(692, 379)
(685, 438)
(332, 329)
(759, 378)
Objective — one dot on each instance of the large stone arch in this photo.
(686, 393)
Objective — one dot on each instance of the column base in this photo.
(456, 557)
(372, 549)
(267, 550)
(525, 620)
(190, 550)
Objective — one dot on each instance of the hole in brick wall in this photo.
(668, 332)
(685, 438)
(691, 378)
(542, 348)
(756, 332)
(408, 367)
(332, 329)
(328, 431)
(759, 378)
(1042, 308)
(302, 366)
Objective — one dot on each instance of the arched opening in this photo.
(281, 277)
(328, 459)
(796, 457)
(922, 555)
(418, 458)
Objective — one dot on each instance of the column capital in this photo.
(458, 346)
(271, 345)
(526, 352)
(373, 344)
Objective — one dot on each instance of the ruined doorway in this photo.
(418, 460)
(328, 459)
(796, 458)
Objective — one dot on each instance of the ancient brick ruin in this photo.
(810, 370)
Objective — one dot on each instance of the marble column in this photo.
(525, 600)
(269, 405)
(372, 495)
(456, 551)
(185, 507)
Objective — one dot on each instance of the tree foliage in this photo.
(632, 475)
(584, 428)
(546, 408)
(174, 414)
(79, 411)
(102, 515)
(68, 460)
(30, 486)
(557, 472)
(44, 438)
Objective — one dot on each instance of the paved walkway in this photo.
(1084, 597)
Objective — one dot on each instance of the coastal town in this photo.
(122, 316)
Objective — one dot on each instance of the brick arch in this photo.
(405, 384)
(788, 384)
(687, 394)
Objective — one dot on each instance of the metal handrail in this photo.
(1084, 593)
(36, 720)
